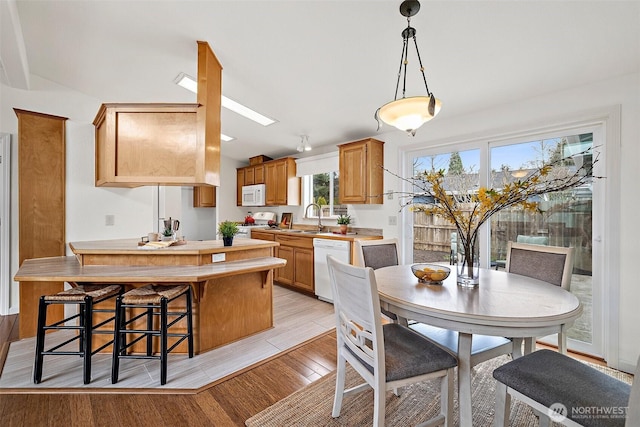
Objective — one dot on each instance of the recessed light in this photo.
(191, 84)
(226, 138)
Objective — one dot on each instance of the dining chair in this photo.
(566, 391)
(386, 356)
(551, 264)
(377, 254)
(383, 253)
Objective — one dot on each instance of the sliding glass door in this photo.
(568, 218)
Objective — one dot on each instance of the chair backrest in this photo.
(532, 240)
(633, 411)
(377, 253)
(552, 264)
(357, 309)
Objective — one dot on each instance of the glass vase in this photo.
(468, 263)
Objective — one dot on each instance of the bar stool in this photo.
(86, 297)
(154, 300)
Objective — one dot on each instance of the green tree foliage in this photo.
(455, 164)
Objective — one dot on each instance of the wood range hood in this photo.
(163, 144)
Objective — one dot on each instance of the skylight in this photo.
(190, 83)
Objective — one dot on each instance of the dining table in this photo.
(503, 304)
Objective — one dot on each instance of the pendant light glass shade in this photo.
(408, 114)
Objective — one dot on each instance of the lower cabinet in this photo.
(298, 272)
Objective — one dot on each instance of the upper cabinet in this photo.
(282, 184)
(163, 144)
(361, 172)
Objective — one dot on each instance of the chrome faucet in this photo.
(306, 210)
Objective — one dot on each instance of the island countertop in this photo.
(232, 286)
(128, 252)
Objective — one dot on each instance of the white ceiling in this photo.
(322, 68)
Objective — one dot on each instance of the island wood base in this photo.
(231, 299)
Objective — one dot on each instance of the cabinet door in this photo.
(304, 269)
(204, 197)
(239, 184)
(353, 177)
(281, 183)
(271, 182)
(258, 172)
(249, 176)
(285, 274)
(361, 172)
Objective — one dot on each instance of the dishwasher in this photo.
(339, 249)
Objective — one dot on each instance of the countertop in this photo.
(310, 234)
(128, 246)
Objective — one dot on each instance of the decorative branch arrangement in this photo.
(468, 208)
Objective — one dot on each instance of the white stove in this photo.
(261, 222)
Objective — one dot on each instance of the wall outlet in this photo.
(393, 220)
(109, 220)
(217, 257)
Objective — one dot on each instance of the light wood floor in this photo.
(229, 402)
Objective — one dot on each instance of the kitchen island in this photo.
(232, 285)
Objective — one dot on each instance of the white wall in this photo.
(134, 210)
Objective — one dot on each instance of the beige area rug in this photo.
(312, 405)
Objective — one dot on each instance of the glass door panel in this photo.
(562, 219)
(432, 235)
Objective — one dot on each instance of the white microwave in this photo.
(253, 195)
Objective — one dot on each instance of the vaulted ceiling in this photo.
(321, 68)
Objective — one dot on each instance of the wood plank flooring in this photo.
(227, 403)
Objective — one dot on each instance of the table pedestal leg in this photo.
(464, 379)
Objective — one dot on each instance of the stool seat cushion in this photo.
(153, 294)
(77, 293)
(549, 377)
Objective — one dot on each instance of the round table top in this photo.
(501, 298)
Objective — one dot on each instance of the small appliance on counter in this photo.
(260, 221)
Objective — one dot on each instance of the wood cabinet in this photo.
(261, 235)
(279, 176)
(239, 184)
(41, 207)
(282, 184)
(204, 197)
(163, 144)
(361, 172)
(254, 175)
(298, 273)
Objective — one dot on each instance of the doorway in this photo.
(5, 223)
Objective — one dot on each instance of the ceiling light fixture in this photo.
(189, 83)
(408, 114)
(226, 138)
(304, 144)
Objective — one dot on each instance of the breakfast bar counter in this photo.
(232, 285)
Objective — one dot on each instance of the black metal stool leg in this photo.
(88, 337)
(189, 323)
(42, 321)
(149, 328)
(163, 341)
(117, 340)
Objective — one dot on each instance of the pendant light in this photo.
(408, 114)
